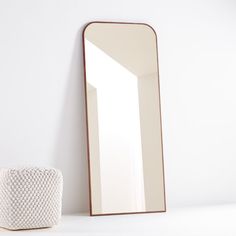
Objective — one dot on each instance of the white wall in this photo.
(41, 91)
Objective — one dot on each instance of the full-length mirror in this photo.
(123, 119)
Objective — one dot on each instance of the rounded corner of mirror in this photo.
(87, 26)
(150, 28)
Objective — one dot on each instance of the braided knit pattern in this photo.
(30, 198)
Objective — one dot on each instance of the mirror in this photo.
(123, 119)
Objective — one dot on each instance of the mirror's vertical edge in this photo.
(86, 119)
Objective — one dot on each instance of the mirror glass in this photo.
(123, 118)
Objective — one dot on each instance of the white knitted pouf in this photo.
(30, 198)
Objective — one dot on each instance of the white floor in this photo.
(209, 220)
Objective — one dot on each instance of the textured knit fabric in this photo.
(30, 198)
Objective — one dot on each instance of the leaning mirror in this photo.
(123, 119)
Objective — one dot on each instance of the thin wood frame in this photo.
(87, 128)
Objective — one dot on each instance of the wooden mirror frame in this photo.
(86, 119)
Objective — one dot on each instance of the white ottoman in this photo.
(30, 198)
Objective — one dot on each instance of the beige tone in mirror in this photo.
(124, 119)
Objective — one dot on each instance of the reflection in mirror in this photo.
(123, 118)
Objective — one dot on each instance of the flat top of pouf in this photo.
(29, 169)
